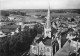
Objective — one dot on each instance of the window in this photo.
(34, 48)
(48, 50)
(47, 31)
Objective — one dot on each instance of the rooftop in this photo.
(64, 51)
(46, 41)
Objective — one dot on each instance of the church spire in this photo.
(48, 23)
(47, 28)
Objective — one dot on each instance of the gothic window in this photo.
(47, 32)
(48, 50)
(34, 48)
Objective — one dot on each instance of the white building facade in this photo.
(41, 49)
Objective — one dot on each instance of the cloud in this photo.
(66, 4)
(39, 4)
(23, 4)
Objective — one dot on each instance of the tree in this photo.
(26, 28)
(39, 28)
(19, 43)
(5, 13)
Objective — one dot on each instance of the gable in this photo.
(41, 44)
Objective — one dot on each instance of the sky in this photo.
(39, 4)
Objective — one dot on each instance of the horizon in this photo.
(39, 4)
(41, 9)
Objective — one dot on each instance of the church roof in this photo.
(39, 40)
(47, 42)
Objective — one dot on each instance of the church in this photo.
(43, 46)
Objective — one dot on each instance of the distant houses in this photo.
(10, 29)
(15, 17)
(16, 21)
(25, 20)
(20, 18)
(2, 34)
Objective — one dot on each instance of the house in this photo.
(20, 24)
(2, 23)
(75, 42)
(11, 18)
(43, 47)
(70, 36)
(12, 33)
(29, 24)
(10, 28)
(2, 34)
(15, 17)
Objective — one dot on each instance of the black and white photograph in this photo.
(39, 27)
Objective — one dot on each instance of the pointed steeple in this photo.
(47, 28)
(48, 23)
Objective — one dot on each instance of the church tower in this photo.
(47, 28)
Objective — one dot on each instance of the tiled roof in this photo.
(54, 30)
(75, 39)
(47, 42)
(39, 40)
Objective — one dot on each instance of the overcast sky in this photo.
(39, 4)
